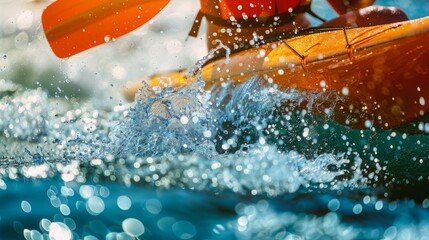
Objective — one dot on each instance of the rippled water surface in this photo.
(236, 162)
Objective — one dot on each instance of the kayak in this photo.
(381, 72)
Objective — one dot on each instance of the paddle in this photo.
(73, 26)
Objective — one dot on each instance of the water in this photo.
(195, 164)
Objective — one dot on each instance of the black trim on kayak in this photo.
(293, 50)
(281, 37)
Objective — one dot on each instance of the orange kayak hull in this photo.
(381, 73)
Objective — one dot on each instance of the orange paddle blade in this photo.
(73, 26)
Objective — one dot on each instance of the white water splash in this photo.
(170, 151)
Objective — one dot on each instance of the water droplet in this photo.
(334, 205)
(107, 38)
(390, 233)
(368, 124)
(184, 120)
(305, 132)
(165, 223)
(44, 224)
(378, 205)
(218, 229)
(21, 40)
(366, 200)
(64, 209)
(86, 191)
(422, 101)
(207, 134)
(25, 20)
(59, 231)
(27, 234)
(242, 221)
(36, 235)
(153, 206)
(133, 227)
(425, 203)
(184, 230)
(195, 119)
(95, 205)
(357, 209)
(90, 237)
(124, 202)
(26, 207)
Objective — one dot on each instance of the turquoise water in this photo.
(194, 164)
